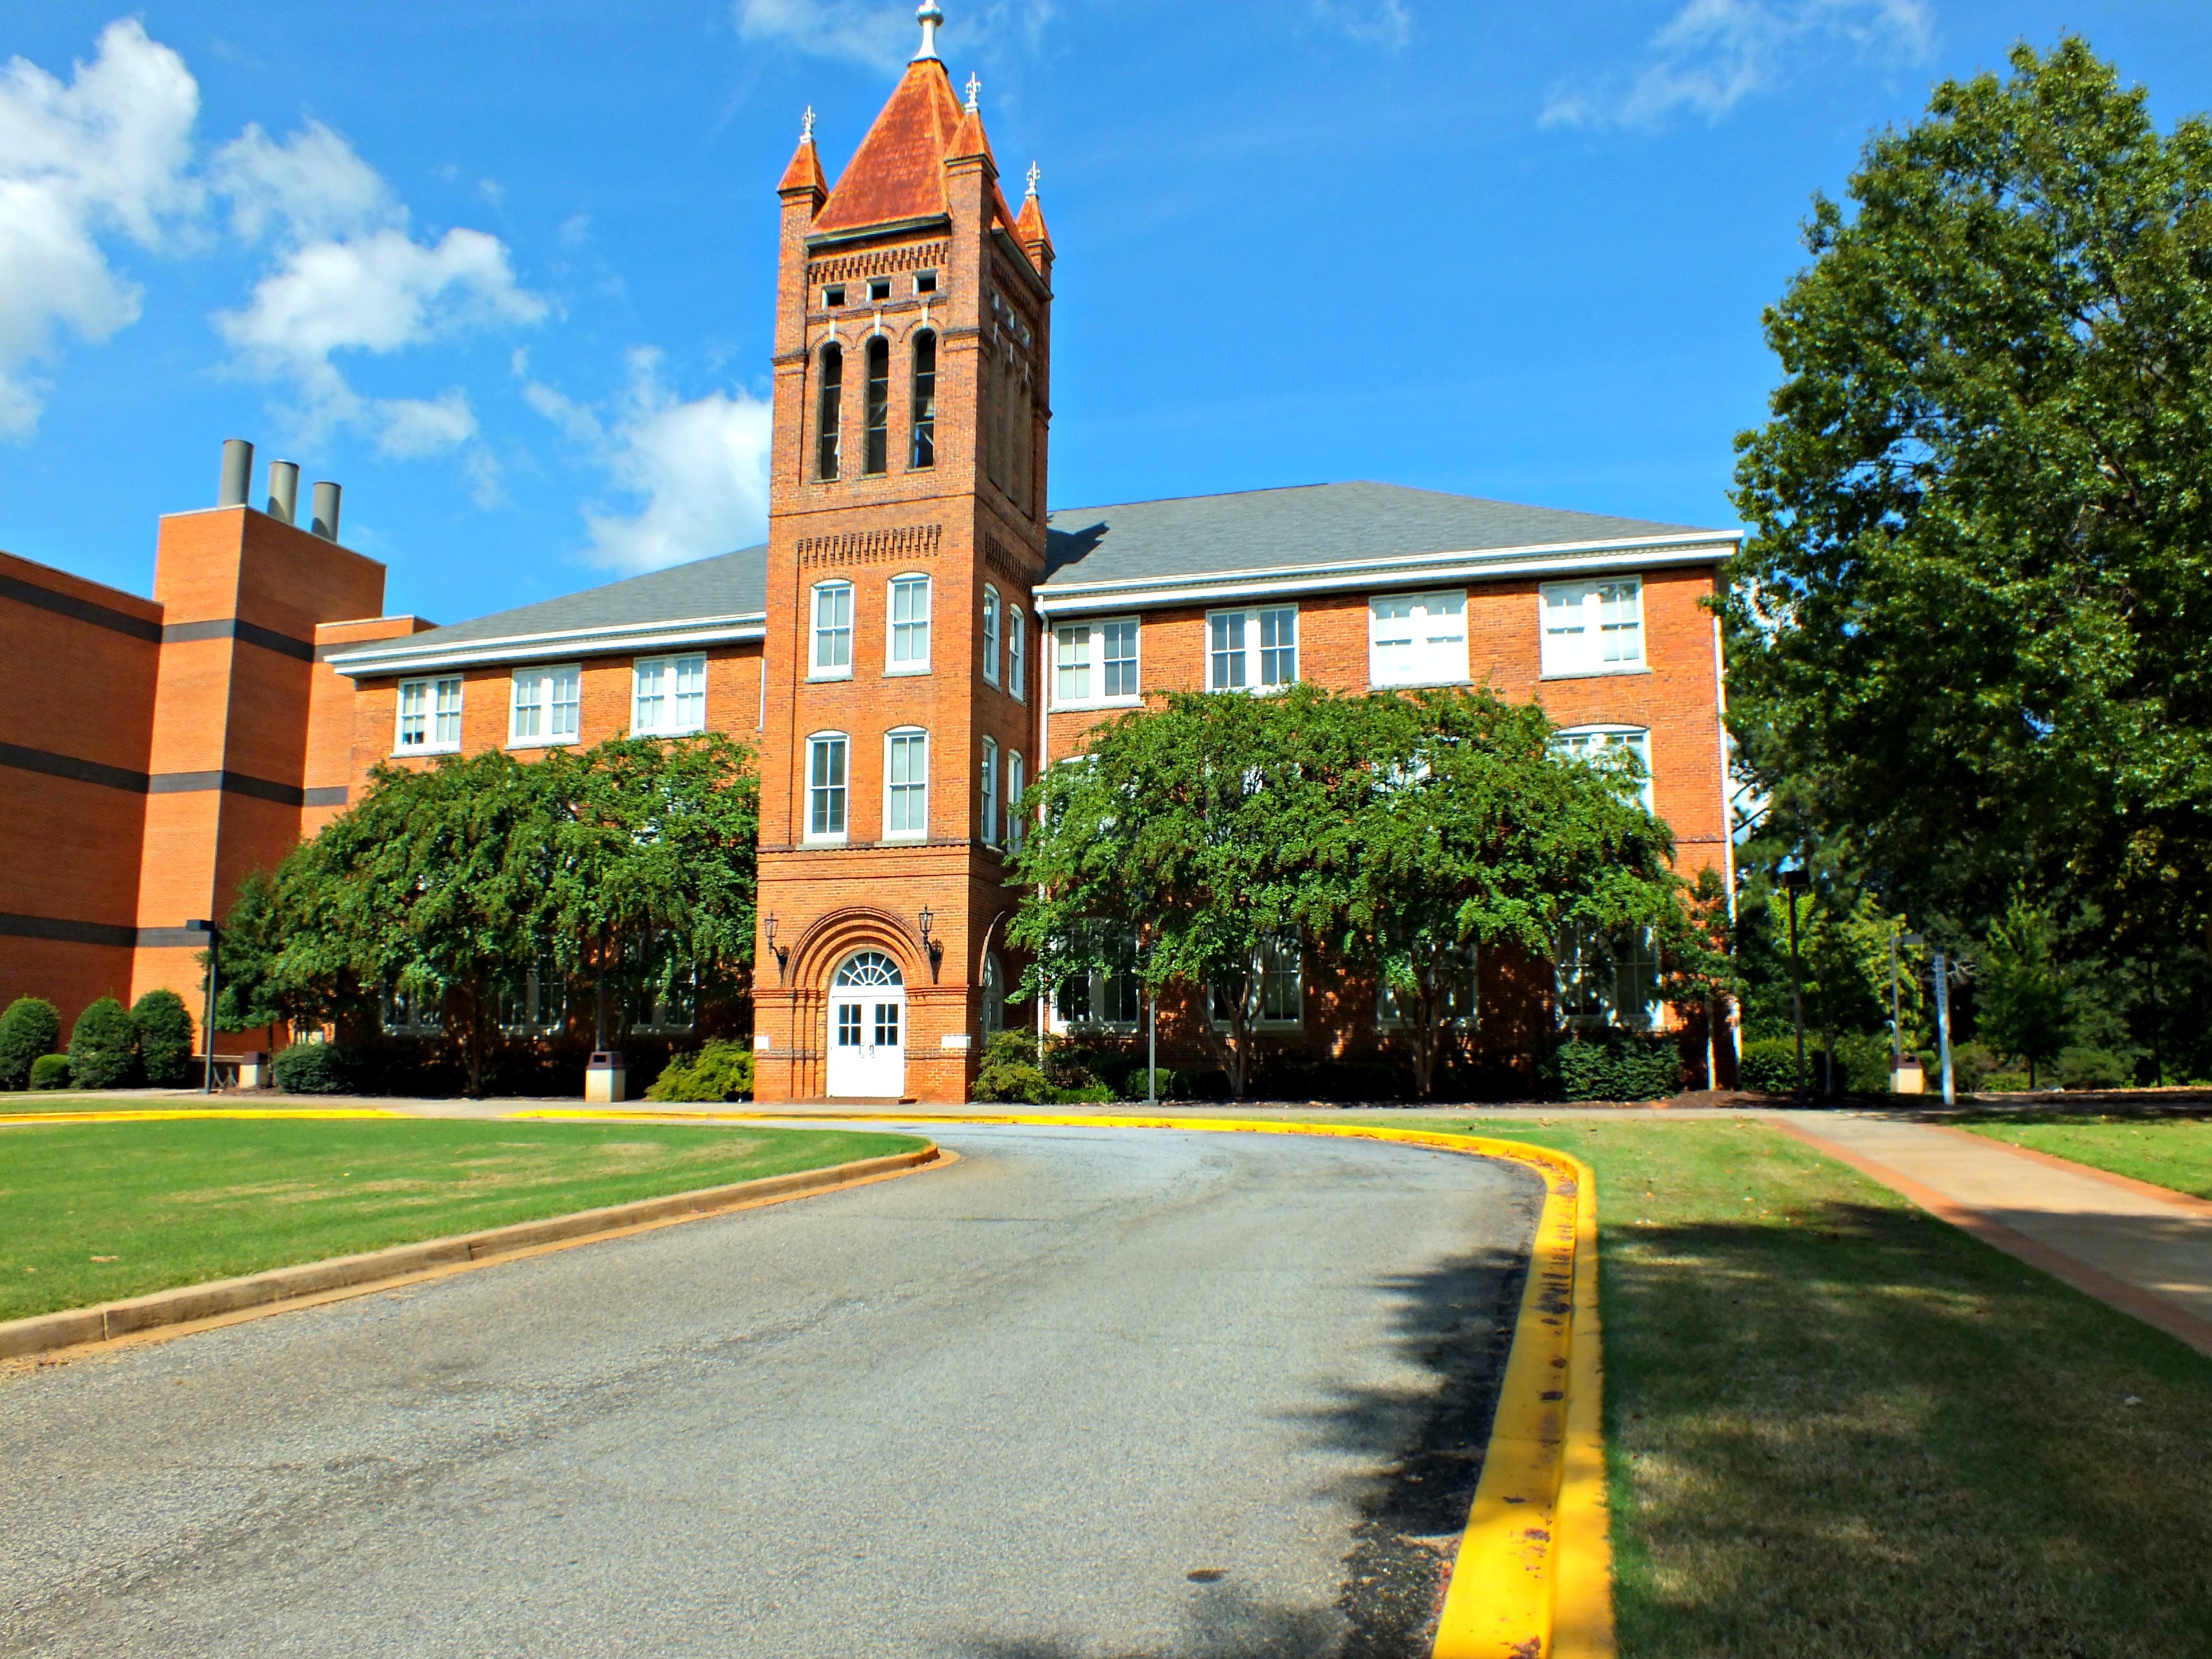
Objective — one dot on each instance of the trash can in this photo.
(603, 1079)
(253, 1070)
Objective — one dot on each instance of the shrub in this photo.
(31, 1027)
(51, 1071)
(317, 1068)
(1769, 1066)
(1012, 1073)
(1862, 1063)
(2004, 1083)
(721, 1070)
(103, 1048)
(2093, 1068)
(1971, 1064)
(1615, 1066)
(165, 1038)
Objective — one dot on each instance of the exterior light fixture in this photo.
(782, 952)
(933, 946)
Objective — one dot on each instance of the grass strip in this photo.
(1837, 1426)
(2171, 1152)
(94, 1211)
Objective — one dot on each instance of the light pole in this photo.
(1794, 882)
(207, 1021)
(1896, 1007)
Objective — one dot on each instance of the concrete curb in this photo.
(189, 1303)
(1533, 1578)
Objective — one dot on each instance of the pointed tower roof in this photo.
(1028, 229)
(805, 172)
(897, 172)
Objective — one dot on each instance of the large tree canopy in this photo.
(1971, 638)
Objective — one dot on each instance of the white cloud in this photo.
(106, 153)
(882, 34)
(312, 185)
(1712, 54)
(1371, 23)
(700, 469)
(415, 427)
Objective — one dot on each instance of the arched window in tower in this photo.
(878, 456)
(1022, 436)
(828, 418)
(924, 453)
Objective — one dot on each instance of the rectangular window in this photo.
(1607, 979)
(848, 1026)
(1252, 650)
(1593, 628)
(1121, 654)
(669, 698)
(405, 1013)
(825, 788)
(1098, 663)
(1018, 681)
(924, 281)
(538, 1004)
(1014, 814)
(671, 1011)
(1459, 989)
(1603, 744)
(429, 717)
(1109, 999)
(906, 787)
(879, 290)
(910, 625)
(991, 635)
(1417, 639)
(876, 457)
(833, 632)
(887, 1025)
(990, 791)
(548, 706)
(1074, 648)
(834, 296)
(1278, 987)
(923, 452)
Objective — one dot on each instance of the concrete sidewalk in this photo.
(2134, 1247)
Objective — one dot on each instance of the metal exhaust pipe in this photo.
(237, 473)
(284, 491)
(325, 523)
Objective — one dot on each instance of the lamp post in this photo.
(933, 947)
(1794, 882)
(207, 1022)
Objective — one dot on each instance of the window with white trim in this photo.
(833, 632)
(1278, 987)
(990, 791)
(429, 717)
(548, 704)
(991, 635)
(670, 1012)
(1593, 628)
(1251, 650)
(1110, 999)
(539, 1004)
(1096, 663)
(1393, 1013)
(1417, 639)
(668, 696)
(1014, 814)
(1018, 681)
(906, 785)
(1602, 744)
(910, 607)
(826, 759)
(1607, 979)
(410, 1013)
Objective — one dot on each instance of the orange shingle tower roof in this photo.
(898, 172)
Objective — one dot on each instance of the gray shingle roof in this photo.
(1306, 525)
(727, 585)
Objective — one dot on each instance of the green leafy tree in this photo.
(1966, 633)
(30, 1028)
(164, 1028)
(2022, 1000)
(103, 1047)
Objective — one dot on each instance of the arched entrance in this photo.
(867, 1028)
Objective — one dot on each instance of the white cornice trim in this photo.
(1543, 559)
(403, 656)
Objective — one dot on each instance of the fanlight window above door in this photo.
(870, 968)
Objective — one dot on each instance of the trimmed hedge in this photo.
(103, 1048)
(50, 1071)
(165, 1038)
(31, 1027)
(317, 1068)
(1615, 1066)
(721, 1070)
(1769, 1066)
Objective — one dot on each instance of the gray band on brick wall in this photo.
(329, 795)
(231, 783)
(166, 783)
(83, 611)
(68, 766)
(232, 628)
(69, 933)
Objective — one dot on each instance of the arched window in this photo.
(870, 968)
(924, 453)
(878, 456)
(994, 997)
(829, 417)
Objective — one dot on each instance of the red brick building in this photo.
(919, 639)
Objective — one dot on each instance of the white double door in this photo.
(867, 1041)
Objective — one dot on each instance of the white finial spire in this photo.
(929, 15)
(974, 93)
(807, 126)
(1033, 178)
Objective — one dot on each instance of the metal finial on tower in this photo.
(807, 126)
(1033, 178)
(929, 15)
(974, 95)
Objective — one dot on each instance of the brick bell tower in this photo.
(906, 531)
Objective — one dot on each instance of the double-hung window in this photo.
(1456, 979)
(1417, 639)
(990, 788)
(1603, 746)
(411, 1013)
(1607, 979)
(1110, 997)
(991, 635)
(536, 1004)
(826, 757)
(1017, 680)
(1251, 650)
(1096, 663)
(1593, 628)
(909, 598)
(906, 785)
(833, 632)
(1014, 814)
(429, 717)
(1277, 988)
(548, 704)
(668, 697)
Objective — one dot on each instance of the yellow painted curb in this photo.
(183, 1113)
(1534, 1575)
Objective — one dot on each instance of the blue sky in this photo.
(504, 267)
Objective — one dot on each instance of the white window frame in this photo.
(840, 793)
(1088, 641)
(538, 1005)
(1240, 662)
(1589, 742)
(989, 790)
(1432, 631)
(1274, 948)
(546, 710)
(1061, 1021)
(434, 713)
(1018, 654)
(400, 1014)
(674, 1014)
(1469, 993)
(837, 636)
(1603, 968)
(901, 795)
(673, 674)
(1015, 787)
(990, 636)
(917, 628)
(1585, 628)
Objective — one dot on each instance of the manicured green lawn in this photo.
(2170, 1151)
(92, 1212)
(1838, 1428)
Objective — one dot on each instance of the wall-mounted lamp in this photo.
(782, 952)
(935, 947)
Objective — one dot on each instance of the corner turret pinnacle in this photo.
(928, 14)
